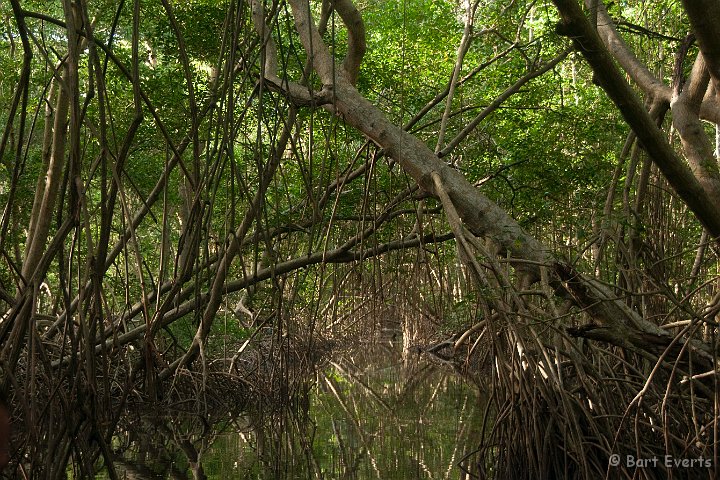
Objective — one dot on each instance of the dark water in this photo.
(368, 415)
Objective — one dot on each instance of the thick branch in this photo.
(319, 54)
(575, 25)
(637, 70)
(696, 86)
(356, 37)
(705, 19)
(686, 120)
(41, 219)
(480, 215)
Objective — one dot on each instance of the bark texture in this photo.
(481, 216)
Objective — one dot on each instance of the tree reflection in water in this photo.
(367, 414)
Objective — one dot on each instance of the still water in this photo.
(369, 414)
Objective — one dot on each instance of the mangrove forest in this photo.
(359, 239)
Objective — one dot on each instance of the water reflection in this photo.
(369, 414)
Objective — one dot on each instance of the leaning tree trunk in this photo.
(618, 324)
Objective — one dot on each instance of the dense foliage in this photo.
(202, 199)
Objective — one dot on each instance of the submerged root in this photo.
(99, 428)
(562, 408)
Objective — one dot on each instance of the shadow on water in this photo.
(369, 414)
